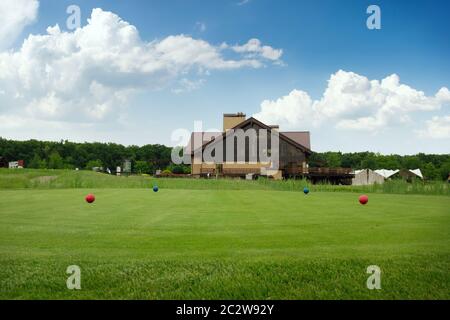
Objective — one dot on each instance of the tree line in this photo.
(71, 155)
(433, 166)
(152, 157)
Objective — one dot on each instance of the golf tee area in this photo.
(219, 239)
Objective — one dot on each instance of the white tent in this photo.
(417, 172)
(386, 173)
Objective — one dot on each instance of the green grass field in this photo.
(64, 179)
(248, 243)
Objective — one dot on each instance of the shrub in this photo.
(93, 164)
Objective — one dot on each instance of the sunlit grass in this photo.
(56, 179)
(223, 244)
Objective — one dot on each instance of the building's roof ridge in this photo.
(246, 121)
(280, 133)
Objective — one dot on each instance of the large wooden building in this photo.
(287, 152)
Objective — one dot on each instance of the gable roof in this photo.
(251, 120)
(386, 173)
(417, 172)
(369, 171)
(301, 137)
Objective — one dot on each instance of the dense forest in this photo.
(149, 158)
(71, 155)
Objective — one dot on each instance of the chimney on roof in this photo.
(275, 127)
(231, 120)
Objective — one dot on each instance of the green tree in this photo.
(387, 162)
(317, 160)
(430, 172)
(142, 167)
(369, 163)
(177, 169)
(37, 163)
(93, 164)
(445, 170)
(334, 159)
(55, 161)
(411, 162)
(69, 163)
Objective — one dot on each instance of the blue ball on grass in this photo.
(305, 190)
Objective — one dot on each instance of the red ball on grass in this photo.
(90, 198)
(363, 199)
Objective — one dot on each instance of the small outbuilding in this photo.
(405, 174)
(19, 164)
(366, 176)
(410, 175)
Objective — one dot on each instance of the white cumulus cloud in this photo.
(89, 74)
(353, 102)
(254, 48)
(15, 15)
(436, 128)
(295, 109)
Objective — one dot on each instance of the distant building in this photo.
(417, 172)
(367, 176)
(386, 173)
(280, 154)
(293, 150)
(410, 175)
(16, 164)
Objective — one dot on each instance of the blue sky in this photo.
(317, 39)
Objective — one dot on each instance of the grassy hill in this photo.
(57, 179)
